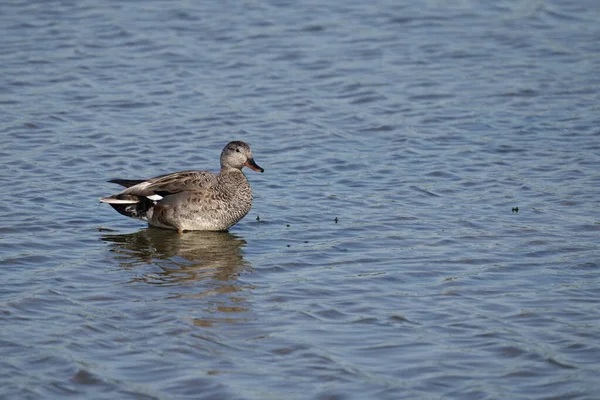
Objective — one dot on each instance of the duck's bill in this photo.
(252, 165)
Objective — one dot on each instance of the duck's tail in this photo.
(129, 205)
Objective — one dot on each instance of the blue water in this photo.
(384, 256)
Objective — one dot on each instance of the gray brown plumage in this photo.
(191, 200)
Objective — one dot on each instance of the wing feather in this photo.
(165, 185)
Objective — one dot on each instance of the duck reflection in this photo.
(194, 265)
(192, 256)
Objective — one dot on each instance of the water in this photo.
(382, 257)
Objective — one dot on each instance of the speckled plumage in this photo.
(191, 200)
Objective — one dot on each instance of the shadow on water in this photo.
(181, 258)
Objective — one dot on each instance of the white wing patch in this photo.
(111, 200)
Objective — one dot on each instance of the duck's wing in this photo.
(165, 185)
(127, 182)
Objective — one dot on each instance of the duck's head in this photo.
(237, 154)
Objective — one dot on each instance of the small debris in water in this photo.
(257, 218)
(336, 220)
(515, 209)
(288, 225)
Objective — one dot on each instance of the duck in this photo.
(191, 200)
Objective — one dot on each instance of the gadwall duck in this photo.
(191, 200)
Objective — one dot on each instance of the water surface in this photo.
(383, 257)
